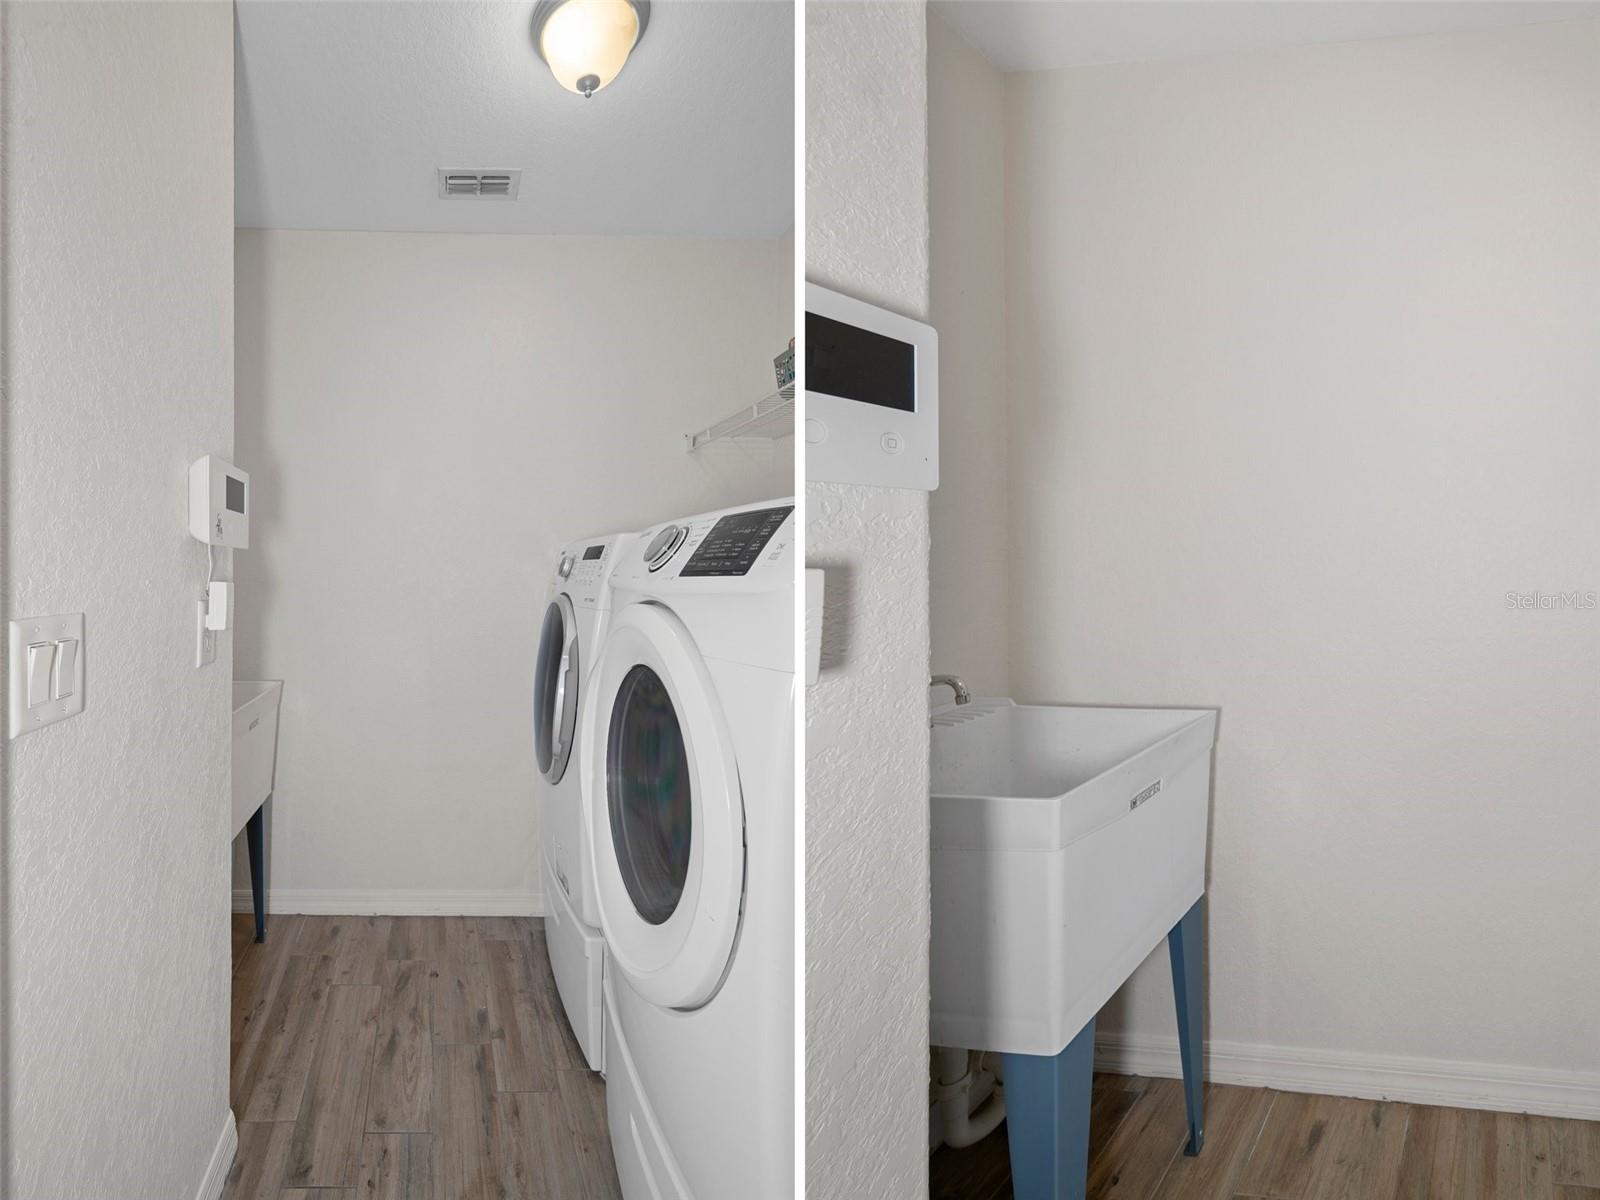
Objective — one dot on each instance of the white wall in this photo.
(427, 418)
(866, 718)
(1303, 368)
(969, 600)
(118, 164)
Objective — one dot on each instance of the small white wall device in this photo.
(219, 604)
(872, 394)
(815, 581)
(219, 503)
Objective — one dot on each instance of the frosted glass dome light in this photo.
(585, 43)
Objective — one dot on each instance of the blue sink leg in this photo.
(1047, 1114)
(1186, 944)
(256, 843)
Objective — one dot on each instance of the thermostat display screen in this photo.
(858, 364)
(219, 503)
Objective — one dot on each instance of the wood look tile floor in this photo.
(1265, 1145)
(409, 1058)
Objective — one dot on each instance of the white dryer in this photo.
(569, 636)
(688, 753)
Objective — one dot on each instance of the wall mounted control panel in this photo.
(46, 671)
(219, 503)
(872, 394)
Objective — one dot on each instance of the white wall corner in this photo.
(216, 1176)
(1542, 1091)
(321, 902)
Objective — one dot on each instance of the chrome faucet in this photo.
(955, 685)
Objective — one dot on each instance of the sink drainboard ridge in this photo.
(974, 711)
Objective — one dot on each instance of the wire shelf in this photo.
(766, 420)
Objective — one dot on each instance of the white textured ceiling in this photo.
(1027, 35)
(344, 111)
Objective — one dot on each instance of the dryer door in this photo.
(666, 818)
(555, 689)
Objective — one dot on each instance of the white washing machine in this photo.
(569, 636)
(688, 753)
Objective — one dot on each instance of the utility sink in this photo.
(255, 757)
(255, 745)
(1066, 843)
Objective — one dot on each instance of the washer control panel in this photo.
(583, 566)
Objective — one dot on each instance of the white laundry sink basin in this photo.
(1066, 843)
(255, 745)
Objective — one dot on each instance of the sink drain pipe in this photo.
(960, 1126)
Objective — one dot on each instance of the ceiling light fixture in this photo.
(586, 42)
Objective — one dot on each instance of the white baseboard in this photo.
(1551, 1093)
(216, 1176)
(396, 904)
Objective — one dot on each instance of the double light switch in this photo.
(46, 671)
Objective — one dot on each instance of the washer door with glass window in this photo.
(555, 689)
(666, 819)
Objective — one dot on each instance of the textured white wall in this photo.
(1303, 376)
(118, 167)
(969, 564)
(427, 418)
(866, 718)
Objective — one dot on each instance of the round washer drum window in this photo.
(647, 789)
(546, 677)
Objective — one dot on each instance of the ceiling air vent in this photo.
(483, 185)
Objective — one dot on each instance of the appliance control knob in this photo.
(663, 546)
(564, 567)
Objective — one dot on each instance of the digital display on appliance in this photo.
(592, 552)
(735, 542)
(235, 496)
(859, 364)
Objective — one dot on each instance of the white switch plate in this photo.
(19, 636)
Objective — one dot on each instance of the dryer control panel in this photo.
(752, 544)
(735, 542)
(728, 575)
